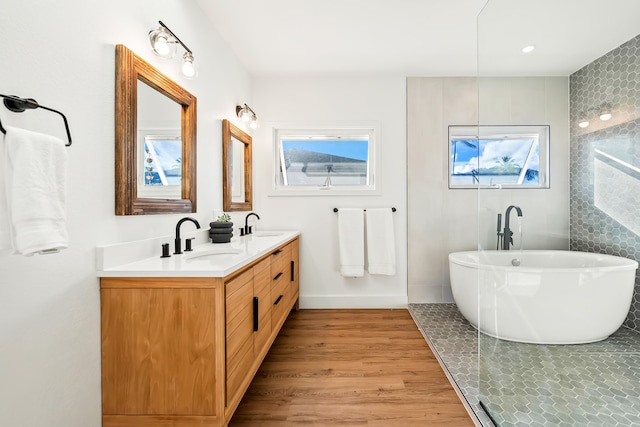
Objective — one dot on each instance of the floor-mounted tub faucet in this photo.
(177, 241)
(507, 233)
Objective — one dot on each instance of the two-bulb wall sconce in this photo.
(164, 43)
(246, 114)
(604, 113)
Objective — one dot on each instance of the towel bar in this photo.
(18, 105)
(392, 209)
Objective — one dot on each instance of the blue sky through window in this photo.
(352, 149)
(167, 160)
(495, 161)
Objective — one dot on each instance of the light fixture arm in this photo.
(175, 37)
(239, 108)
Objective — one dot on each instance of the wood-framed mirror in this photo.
(236, 169)
(155, 156)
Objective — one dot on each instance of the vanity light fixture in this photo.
(163, 43)
(247, 115)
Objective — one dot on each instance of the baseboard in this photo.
(353, 301)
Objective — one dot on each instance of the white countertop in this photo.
(132, 259)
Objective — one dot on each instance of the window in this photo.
(498, 156)
(325, 161)
(160, 168)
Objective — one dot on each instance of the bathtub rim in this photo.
(621, 263)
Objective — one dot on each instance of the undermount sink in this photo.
(267, 233)
(210, 253)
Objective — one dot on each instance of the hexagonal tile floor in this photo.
(537, 385)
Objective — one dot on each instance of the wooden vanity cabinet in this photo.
(181, 352)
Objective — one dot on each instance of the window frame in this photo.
(504, 132)
(371, 129)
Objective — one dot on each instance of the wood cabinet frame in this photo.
(164, 341)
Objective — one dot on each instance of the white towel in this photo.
(6, 244)
(34, 171)
(381, 249)
(351, 241)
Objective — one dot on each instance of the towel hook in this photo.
(19, 105)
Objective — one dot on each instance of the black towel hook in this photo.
(18, 105)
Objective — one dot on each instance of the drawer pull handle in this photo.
(256, 306)
(278, 300)
(293, 271)
(277, 276)
(277, 252)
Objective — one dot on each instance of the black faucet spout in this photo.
(178, 241)
(247, 229)
(508, 234)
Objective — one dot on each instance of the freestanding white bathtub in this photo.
(552, 297)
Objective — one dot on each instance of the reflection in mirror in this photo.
(236, 168)
(159, 145)
(155, 140)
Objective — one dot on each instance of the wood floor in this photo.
(350, 368)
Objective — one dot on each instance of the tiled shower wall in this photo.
(605, 159)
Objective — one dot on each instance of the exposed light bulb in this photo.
(605, 116)
(161, 46)
(245, 115)
(584, 123)
(162, 43)
(254, 122)
(528, 49)
(188, 68)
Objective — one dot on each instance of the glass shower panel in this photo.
(516, 380)
(527, 376)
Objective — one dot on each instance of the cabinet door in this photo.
(239, 327)
(262, 295)
(158, 351)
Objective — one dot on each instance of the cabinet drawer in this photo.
(281, 297)
(280, 262)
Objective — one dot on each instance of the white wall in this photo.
(443, 220)
(323, 100)
(62, 54)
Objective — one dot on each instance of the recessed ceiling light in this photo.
(528, 49)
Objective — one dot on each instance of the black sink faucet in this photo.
(178, 242)
(508, 239)
(247, 229)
